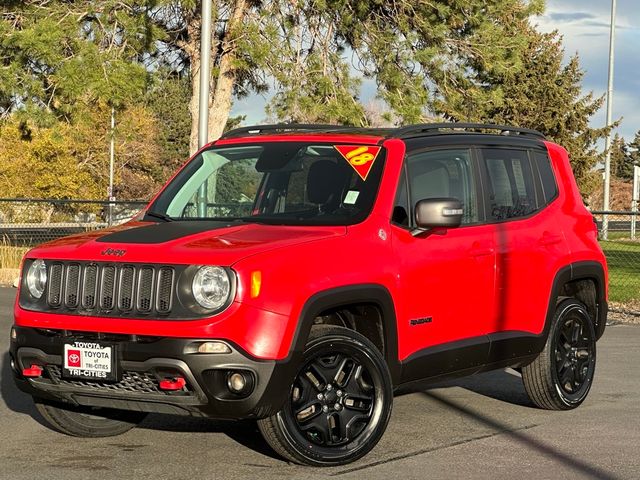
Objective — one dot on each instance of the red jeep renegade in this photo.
(299, 274)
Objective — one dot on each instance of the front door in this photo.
(446, 276)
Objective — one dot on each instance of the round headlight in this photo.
(37, 278)
(211, 287)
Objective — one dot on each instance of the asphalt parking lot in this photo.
(480, 427)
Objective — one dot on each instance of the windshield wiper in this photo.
(161, 216)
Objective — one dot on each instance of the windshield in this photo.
(286, 183)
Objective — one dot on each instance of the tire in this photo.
(561, 376)
(87, 422)
(339, 404)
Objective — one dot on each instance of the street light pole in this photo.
(607, 161)
(203, 101)
(112, 152)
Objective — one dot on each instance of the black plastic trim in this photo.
(271, 387)
(591, 270)
(436, 129)
(346, 295)
(469, 355)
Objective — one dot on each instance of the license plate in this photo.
(89, 361)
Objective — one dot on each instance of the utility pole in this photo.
(203, 101)
(607, 161)
(112, 153)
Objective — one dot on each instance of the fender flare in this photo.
(586, 270)
(346, 295)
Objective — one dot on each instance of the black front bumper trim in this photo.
(143, 362)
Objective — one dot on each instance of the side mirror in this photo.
(438, 213)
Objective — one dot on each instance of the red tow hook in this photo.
(173, 384)
(33, 371)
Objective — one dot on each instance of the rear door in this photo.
(529, 240)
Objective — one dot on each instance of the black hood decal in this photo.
(163, 232)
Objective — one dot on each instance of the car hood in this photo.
(189, 242)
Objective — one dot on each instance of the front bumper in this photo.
(143, 362)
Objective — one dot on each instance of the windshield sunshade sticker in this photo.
(360, 157)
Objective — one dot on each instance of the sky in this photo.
(584, 25)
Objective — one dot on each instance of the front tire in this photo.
(79, 421)
(561, 377)
(339, 404)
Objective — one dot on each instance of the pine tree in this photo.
(621, 161)
(546, 95)
(55, 54)
(634, 150)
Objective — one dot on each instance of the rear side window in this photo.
(511, 185)
(549, 186)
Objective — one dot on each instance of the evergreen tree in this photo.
(634, 151)
(168, 100)
(55, 54)
(621, 161)
(545, 95)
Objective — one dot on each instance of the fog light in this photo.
(14, 334)
(236, 382)
(213, 347)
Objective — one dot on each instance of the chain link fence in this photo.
(619, 235)
(26, 223)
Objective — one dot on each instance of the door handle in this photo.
(478, 250)
(549, 239)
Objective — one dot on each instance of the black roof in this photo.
(410, 131)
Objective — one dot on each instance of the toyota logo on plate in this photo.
(74, 358)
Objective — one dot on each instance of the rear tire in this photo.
(88, 422)
(339, 404)
(561, 377)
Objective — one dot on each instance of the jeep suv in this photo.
(299, 274)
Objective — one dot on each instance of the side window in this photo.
(549, 186)
(444, 174)
(511, 186)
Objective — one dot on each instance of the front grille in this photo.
(131, 382)
(109, 289)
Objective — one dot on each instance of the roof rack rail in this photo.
(282, 127)
(433, 128)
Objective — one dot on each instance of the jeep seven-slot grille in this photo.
(109, 288)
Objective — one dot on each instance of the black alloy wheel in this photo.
(574, 351)
(561, 376)
(332, 399)
(339, 404)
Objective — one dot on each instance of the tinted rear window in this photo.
(549, 186)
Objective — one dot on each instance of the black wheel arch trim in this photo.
(584, 270)
(346, 295)
(498, 349)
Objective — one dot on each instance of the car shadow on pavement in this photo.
(14, 399)
(244, 432)
(503, 385)
(584, 469)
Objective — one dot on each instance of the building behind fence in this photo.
(26, 223)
